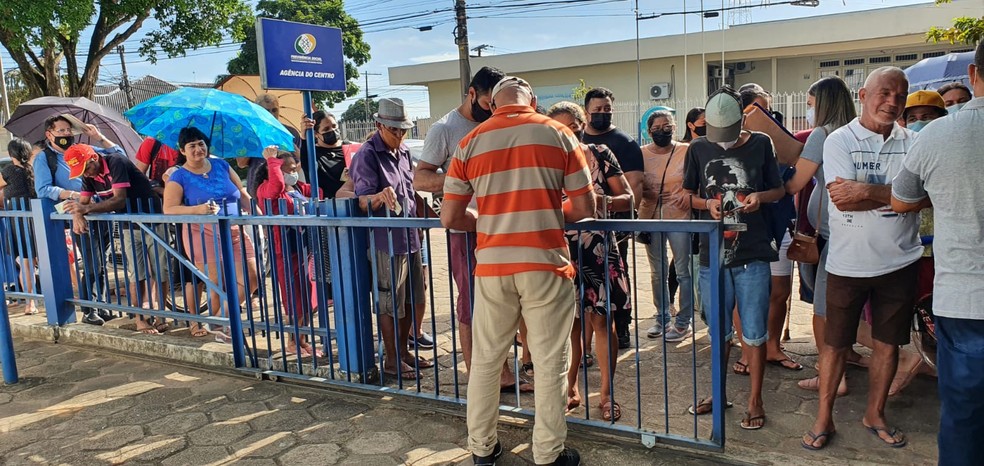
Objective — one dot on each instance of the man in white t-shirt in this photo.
(872, 252)
(440, 143)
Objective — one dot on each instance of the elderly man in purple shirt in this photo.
(382, 174)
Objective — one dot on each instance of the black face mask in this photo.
(662, 138)
(478, 113)
(601, 121)
(700, 131)
(330, 137)
(64, 142)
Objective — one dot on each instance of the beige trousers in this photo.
(547, 302)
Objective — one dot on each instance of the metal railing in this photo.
(317, 314)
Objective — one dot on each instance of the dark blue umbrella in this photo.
(236, 126)
(931, 73)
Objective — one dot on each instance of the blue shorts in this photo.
(748, 286)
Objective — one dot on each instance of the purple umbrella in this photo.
(28, 120)
(931, 73)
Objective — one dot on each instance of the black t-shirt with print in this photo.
(119, 172)
(730, 176)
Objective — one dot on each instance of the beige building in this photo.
(783, 56)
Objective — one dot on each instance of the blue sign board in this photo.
(299, 56)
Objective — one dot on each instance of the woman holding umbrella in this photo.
(208, 186)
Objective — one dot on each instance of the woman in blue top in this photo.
(208, 186)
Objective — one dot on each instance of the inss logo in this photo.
(305, 44)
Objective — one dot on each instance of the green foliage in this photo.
(321, 12)
(965, 30)
(357, 111)
(41, 34)
(580, 91)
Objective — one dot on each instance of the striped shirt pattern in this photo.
(518, 164)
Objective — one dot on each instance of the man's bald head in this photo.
(884, 75)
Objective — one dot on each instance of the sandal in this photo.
(811, 445)
(407, 374)
(706, 406)
(162, 327)
(746, 422)
(786, 363)
(527, 369)
(573, 402)
(199, 332)
(740, 368)
(148, 331)
(611, 411)
(421, 363)
(895, 443)
(589, 360)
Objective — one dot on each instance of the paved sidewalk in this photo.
(81, 406)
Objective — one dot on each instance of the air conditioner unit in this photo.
(744, 67)
(659, 91)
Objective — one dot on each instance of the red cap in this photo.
(76, 158)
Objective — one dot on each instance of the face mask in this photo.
(330, 137)
(727, 145)
(601, 121)
(64, 142)
(811, 116)
(700, 131)
(955, 107)
(479, 114)
(662, 138)
(290, 179)
(917, 126)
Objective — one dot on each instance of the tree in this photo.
(39, 34)
(357, 111)
(964, 29)
(321, 12)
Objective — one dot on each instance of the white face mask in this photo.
(290, 179)
(811, 116)
(955, 107)
(728, 145)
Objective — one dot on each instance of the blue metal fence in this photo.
(308, 306)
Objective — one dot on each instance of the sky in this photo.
(505, 26)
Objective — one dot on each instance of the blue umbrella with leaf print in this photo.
(235, 126)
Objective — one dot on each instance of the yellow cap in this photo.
(925, 98)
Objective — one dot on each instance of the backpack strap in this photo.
(52, 158)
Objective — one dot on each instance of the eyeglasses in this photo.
(395, 131)
(665, 128)
(61, 131)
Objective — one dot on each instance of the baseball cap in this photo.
(76, 158)
(723, 116)
(927, 99)
(510, 81)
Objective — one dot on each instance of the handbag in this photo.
(804, 248)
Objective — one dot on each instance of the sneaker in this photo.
(568, 457)
(624, 339)
(425, 341)
(674, 334)
(92, 318)
(491, 459)
(656, 331)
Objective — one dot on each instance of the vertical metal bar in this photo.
(451, 297)
(717, 334)
(232, 291)
(311, 151)
(7, 356)
(52, 250)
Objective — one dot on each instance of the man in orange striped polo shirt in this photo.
(518, 164)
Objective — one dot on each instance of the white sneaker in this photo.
(655, 331)
(674, 334)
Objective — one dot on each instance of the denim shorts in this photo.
(748, 287)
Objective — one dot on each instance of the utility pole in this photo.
(127, 90)
(461, 40)
(5, 113)
(368, 96)
(480, 48)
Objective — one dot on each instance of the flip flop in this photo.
(422, 363)
(826, 436)
(700, 410)
(793, 365)
(608, 409)
(740, 368)
(162, 327)
(407, 374)
(527, 369)
(589, 360)
(148, 331)
(199, 332)
(877, 430)
(746, 422)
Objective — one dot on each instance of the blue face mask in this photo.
(917, 126)
(955, 107)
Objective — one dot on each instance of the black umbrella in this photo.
(28, 120)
